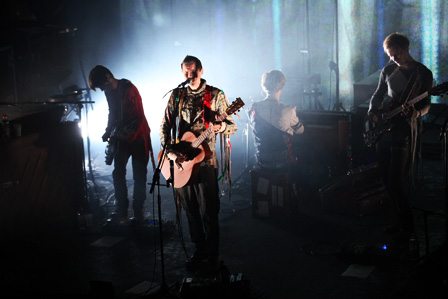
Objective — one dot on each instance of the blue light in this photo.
(276, 17)
(219, 22)
(384, 247)
(430, 35)
(381, 33)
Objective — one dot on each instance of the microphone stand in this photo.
(164, 289)
(443, 135)
(337, 105)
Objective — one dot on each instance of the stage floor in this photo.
(314, 253)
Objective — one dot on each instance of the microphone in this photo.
(185, 83)
(332, 65)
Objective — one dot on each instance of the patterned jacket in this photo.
(198, 109)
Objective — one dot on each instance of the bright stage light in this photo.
(430, 38)
(276, 19)
(94, 124)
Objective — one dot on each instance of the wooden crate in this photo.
(271, 194)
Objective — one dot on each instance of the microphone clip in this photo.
(183, 84)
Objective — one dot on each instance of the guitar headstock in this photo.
(236, 105)
(439, 89)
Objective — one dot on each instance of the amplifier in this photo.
(358, 193)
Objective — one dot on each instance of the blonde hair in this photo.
(273, 81)
(396, 40)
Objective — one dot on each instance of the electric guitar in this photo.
(111, 147)
(374, 130)
(194, 148)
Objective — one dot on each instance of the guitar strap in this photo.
(206, 105)
(121, 90)
(174, 121)
(178, 114)
(271, 128)
(414, 88)
(393, 74)
(409, 89)
(414, 125)
(121, 93)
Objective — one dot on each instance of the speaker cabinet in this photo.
(42, 181)
(322, 149)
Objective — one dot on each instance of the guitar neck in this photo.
(198, 141)
(399, 109)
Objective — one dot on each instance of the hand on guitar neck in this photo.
(382, 120)
(406, 110)
(216, 125)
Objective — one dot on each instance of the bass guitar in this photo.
(374, 130)
(193, 148)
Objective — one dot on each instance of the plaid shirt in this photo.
(126, 112)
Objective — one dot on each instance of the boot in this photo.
(213, 263)
(138, 215)
(120, 213)
(198, 256)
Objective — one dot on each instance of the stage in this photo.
(311, 253)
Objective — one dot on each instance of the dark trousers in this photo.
(394, 163)
(200, 201)
(139, 171)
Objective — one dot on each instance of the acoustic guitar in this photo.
(191, 146)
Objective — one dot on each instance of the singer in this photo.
(197, 107)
